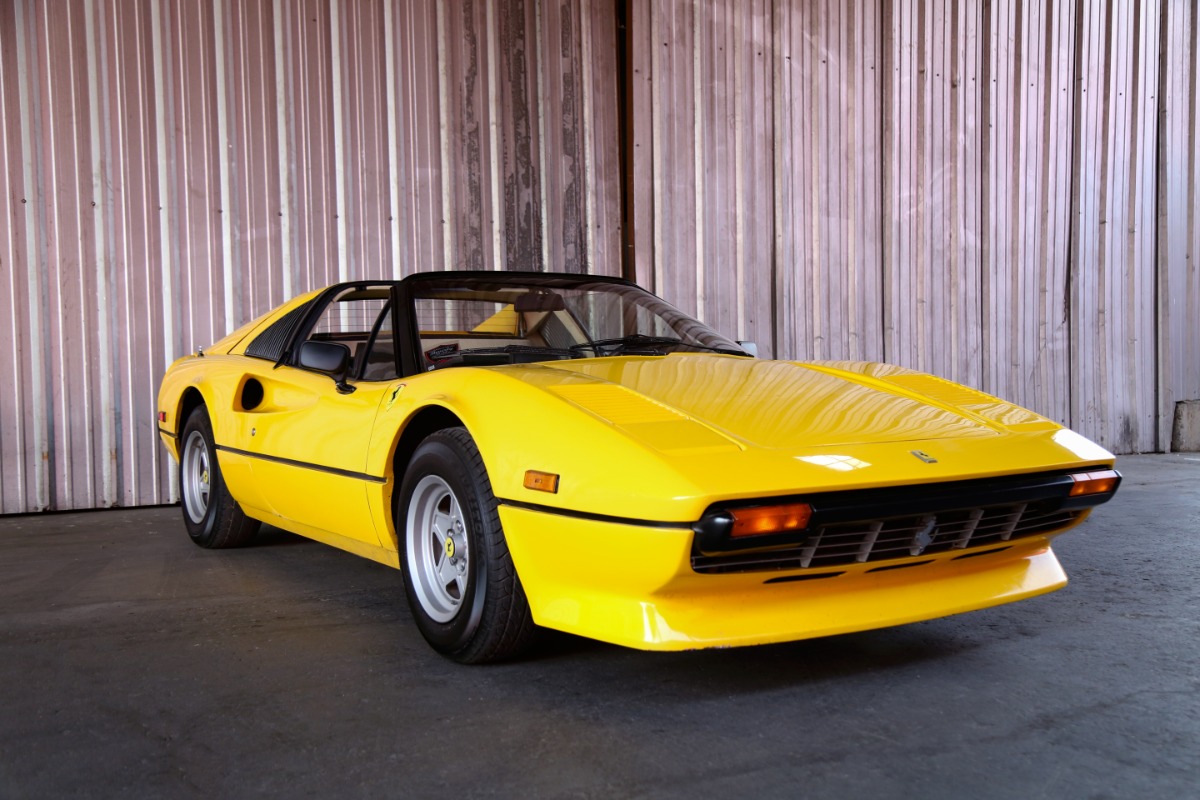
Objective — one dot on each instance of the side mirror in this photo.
(750, 347)
(329, 357)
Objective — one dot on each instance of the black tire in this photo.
(212, 517)
(458, 575)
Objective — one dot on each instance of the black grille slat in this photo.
(910, 536)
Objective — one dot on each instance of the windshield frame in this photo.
(493, 286)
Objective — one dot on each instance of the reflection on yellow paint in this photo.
(1081, 447)
(839, 463)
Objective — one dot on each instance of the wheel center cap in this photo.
(449, 547)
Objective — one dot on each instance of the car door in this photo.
(307, 436)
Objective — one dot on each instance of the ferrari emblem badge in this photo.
(395, 393)
(924, 536)
(449, 547)
(921, 454)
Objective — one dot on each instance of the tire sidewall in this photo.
(440, 456)
(202, 532)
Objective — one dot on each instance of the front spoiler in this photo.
(635, 587)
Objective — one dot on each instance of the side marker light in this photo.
(1087, 483)
(541, 481)
(769, 519)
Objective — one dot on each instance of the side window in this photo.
(361, 319)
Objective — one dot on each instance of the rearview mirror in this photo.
(539, 301)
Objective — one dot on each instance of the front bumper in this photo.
(635, 586)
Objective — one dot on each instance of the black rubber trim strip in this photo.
(166, 432)
(345, 473)
(566, 512)
(803, 577)
(982, 553)
(890, 567)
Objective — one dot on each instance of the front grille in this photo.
(909, 536)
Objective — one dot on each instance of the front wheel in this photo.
(458, 575)
(212, 517)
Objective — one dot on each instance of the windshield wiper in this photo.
(641, 344)
(508, 354)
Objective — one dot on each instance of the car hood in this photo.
(687, 401)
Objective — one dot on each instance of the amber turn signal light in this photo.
(1094, 482)
(541, 481)
(769, 519)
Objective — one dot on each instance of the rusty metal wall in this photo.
(1000, 193)
(1177, 235)
(172, 168)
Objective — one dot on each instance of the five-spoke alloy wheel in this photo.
(462, 588)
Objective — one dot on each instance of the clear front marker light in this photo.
(1102, 482)
(770, 519)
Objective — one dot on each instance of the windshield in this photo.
(474, 322)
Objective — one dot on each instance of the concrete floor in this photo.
(135, 664)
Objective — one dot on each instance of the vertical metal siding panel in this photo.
(256, 210)
(902, 267)
(104, 364)
(35, 168)
(491, 166)
(366, 156)
(69, 235)
(642, 49)
(889, 138)
(1051, 361)
(797, 212)
(1113, 355)
(431, 142)
(518, 178)
(604, 134)
(285, 143)
(969, 119)
(756, 154)
(788, 69)
(1178, 232)
(1140, 277)
(131, 220)
(870, 345)
(223, 251)
(465, 115)
(897, 105)
(392, 152)
(712, 136)
(1185, 273)
(932, 311)
(1090, 366)
(187, 37)
(20, 443)
(679, 120)
(1025, 327)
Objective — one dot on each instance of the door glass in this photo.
(361, 319)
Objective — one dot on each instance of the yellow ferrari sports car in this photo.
(572, 452)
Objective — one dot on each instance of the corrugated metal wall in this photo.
(172, 168)
(1000, 193)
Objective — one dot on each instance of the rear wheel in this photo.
(458, 575)
(212, 517)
